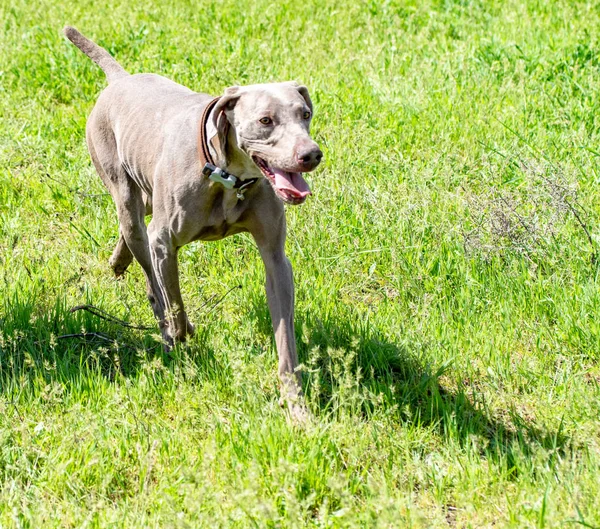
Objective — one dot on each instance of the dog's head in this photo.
(269, 124)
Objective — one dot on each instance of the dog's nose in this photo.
(309, 157)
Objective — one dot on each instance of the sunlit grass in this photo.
(447, 296)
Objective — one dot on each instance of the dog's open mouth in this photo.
(290, 187)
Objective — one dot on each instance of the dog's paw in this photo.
(119, 267)
(299, 414)
(191, 330)
(297, 411)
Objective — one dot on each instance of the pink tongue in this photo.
(293, 183)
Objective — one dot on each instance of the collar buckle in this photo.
(243, 188)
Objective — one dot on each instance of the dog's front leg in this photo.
(164, 263)
(280, 296)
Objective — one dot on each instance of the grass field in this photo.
(447, 276)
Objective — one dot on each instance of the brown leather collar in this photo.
(203, 150)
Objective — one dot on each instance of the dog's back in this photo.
(136, 115)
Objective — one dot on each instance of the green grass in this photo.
(447, 300)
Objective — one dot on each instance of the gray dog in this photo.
(204, 168)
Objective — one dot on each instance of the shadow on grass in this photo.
(62, 345)
(348, 364)
(396, 375)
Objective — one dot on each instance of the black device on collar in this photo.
(227, 180)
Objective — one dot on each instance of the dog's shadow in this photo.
(350, 360)
(347, 365)
(61, 345)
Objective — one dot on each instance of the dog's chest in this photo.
(224, 219)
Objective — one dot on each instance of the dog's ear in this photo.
(227, 101)
(220, 120)
(303, 92)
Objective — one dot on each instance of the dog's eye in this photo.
(266, 121)
(306, 115)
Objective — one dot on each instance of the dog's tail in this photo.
(100, 56)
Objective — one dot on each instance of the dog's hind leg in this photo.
(122, 257)
(131, 210)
